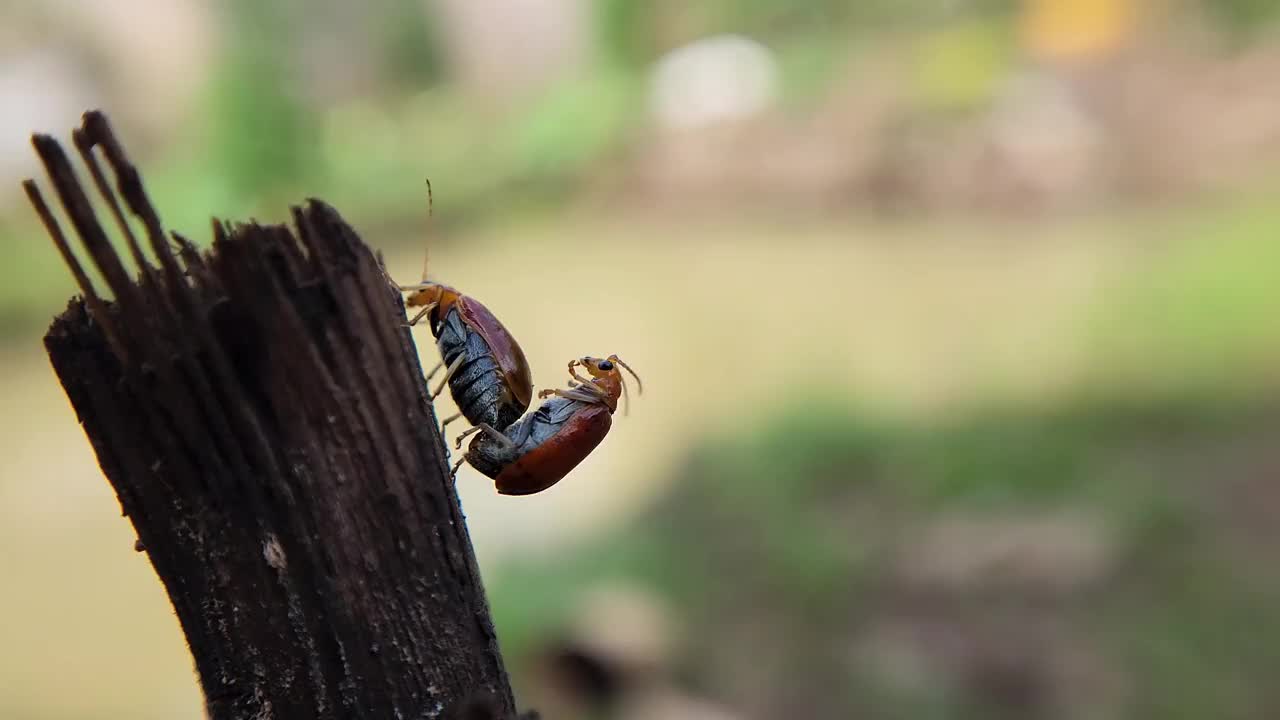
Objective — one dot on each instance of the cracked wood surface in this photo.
(260, 411)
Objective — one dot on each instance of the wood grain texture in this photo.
(261, 413)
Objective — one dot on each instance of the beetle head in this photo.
(606, 373)
(428, 293)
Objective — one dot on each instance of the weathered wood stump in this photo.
(262, 415)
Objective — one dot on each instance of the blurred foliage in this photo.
(795, 530)
(493, 166)
(33, 285)
(775, 18)
(260, 133)
(1203, 300)
(778, 18)
(255, 148)
(633, 33)
(1244, 18)
(576, 124)
(410, 39)
(625, 33)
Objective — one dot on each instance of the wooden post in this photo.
(262, 415)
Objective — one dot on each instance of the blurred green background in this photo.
(958, 322)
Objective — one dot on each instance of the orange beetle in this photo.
(487, 372)
(542, 447)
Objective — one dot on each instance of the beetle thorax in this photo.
(611, 384)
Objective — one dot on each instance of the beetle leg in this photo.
(454, 472)
(574, 392)
(487, 429)
(591, 389)
(581, 380)
(422, 313)
(577, 380)
(573, 372)
(451, 418)
(434, 370)
(453, 368)
(464, 433)
(578, 393)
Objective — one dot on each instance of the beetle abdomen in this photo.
(487, 457)
(451, 336)
(477, 384)
(481, 395)
(491, 457)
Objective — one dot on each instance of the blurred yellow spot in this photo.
(1072, 29)
(961, 66)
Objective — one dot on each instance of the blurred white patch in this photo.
(713, 80)
(628, 625)
(1045, 138)
(40, 90)
(499, 47)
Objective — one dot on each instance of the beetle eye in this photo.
(605, 365)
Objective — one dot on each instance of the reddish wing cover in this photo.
(546, 464)
(508, 354)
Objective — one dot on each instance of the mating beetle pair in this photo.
(489, 378)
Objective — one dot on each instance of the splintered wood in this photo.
(261, 413)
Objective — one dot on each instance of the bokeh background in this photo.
(957, 318)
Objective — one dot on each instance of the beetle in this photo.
(485, 368)
(538, 450)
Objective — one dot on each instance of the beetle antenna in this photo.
(431, 203)
(626, 399)
(639, 384)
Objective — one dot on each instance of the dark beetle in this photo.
(541, 448)
(486, 370)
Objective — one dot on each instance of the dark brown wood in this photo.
(262, 415)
